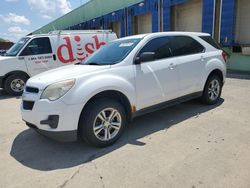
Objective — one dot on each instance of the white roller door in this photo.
(243, 22)
(187, 16)
(142, 24)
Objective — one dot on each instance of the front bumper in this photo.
(61, 136)
(39, 117)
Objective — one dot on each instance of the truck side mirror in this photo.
(145, 57)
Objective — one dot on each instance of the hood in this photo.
(64, 73)
(7, 64)
(2, 58)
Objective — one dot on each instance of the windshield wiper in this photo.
(92, 63)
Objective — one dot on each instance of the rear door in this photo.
(157, 81)
(192, 60)
(38, 56)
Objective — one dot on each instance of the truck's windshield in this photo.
(113, 52)
(14, 50)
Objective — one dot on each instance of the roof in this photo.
(66, 32)
(167, 33)
(134, 37)
(182, 33)
(90, 10)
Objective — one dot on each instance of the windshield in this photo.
(13, 51)
(112, 53)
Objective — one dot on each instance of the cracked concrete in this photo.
(100, 176)
(189, 145)
(66, 181)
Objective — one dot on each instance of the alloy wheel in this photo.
(214, 89)
(107, 124)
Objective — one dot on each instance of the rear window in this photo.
(211, 41)
(184, 45)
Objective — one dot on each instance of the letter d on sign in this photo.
(67, 47)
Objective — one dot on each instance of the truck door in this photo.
(38, 56)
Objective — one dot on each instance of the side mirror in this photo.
(145, 57)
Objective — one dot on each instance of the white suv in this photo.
(128, 77)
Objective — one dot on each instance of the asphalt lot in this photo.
(189, 145)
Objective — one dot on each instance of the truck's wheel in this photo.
(102, 122)
(212, 90)
(15, 84)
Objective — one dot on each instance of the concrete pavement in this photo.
(189, 145)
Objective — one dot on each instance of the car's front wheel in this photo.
(212, 90)
(102, 122)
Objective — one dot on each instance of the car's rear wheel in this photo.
(212, 90)
(102, 122)
(15, 84)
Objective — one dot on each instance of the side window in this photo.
(160, 46)
(184, 45)
(38, 46)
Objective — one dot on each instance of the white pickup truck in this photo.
(128, 77)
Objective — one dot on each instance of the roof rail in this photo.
(58, 32)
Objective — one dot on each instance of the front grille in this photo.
(32, 89)
(28, 105)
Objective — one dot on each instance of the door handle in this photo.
(54, 57)
(202, 58)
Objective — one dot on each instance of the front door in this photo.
(157, 81)
(38, 56)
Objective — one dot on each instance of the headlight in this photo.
(57, 90)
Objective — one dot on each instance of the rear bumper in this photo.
(61, 136)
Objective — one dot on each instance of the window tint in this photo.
(211, 41)
(160, 46)
(184, 45)
(38, 46)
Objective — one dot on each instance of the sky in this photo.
(20, 17)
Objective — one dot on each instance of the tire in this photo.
(212, 90)
(15, 84)
(91, 118)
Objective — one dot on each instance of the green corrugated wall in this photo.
(88, 11)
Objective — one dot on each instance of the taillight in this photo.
(224, 55)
